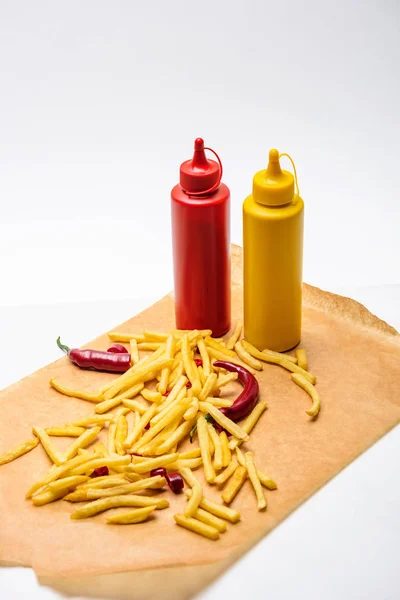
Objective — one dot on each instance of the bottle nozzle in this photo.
(274, 167)
(199, 158)
(273, 155)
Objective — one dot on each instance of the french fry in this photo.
(217, 355)
(235, 335)
(90, 396)
(209, 519)
(81, 442)
(67, 483)
(189, 366)
(178, 388)
(47, 444)
(265, 480)
(157, 336)
(220, 402)
(197, 495)
(204, 357)
(247, 358)
(107, 405)
(208, 387)
(121, 434)
(281, 360)
(156, 482)
(56, 473)
(192, 336)
(192, 411)
(226, 453)
(197, 527)
(175, 375)
(103, 482)
(302, 358)
(191, 463)
(100, 449)
(311, 391)
(195, 453)
(250, 422)
(178, 435)
(224, 379)
(135, 405)
(18, 451)
(234, 484)
(103, 504)
(149, 345)
(133, 347)
(139, 427)
(219, 510)
(137, 515)
(210, 343)
(201, 375)
(89, 466)
(224, 421)
(91, 420)
(47, 496)
(148, 465)
(217, 446)
(116, 336)
(226, 473)
(255, 481)
(174, 413)
(165, 373)
(66, 431)
(204, 442)
(138, 375)
(112, 430)
(76, 496)
(152, 396)
(130, 393)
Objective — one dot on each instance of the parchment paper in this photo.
(356, 358)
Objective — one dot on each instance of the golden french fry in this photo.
(175, 413)
(216, 354)
(89, 466)
(302, 358)
(148, 465)
(265, 480)
(175, 375)
(56, 473)
(204, 357)
(250, 422)
(66, 431)
(210, 343)
(235, 335)
(115, 336)
(179, 388)
(152, 396)
(222, 420)
(91, 420)
(81, 442)
(255, 481)
(192, 411)
(47, 444)
(226, 473)
(130, 393)
(67, 483)
(208, 387)
(149, 345)
(160, 438)
(190, 367)
(219, 510)
(107, 405)
(226, 453)
(137, 515)
(197, 527)
(194, 500)
(48, 496)
(165, 373)
(201, 375)
(104, 481)
(156, 482)
(133, 347)
(195, 453)
(112, 430)
(282, 359)
(82, 394)
(138, 375)
(220, 402)
(191, 463)
(178, 435)
(156, 336)
(224, 379)
(120, 434)
(140, 425)
(311, 391)
(76, 496)
(209, 519)
(192, 336)
(98, 506)
(100, 449)
(234, 484)
(204, 442)
(217, 446)
(18, 451)
(135, 406)
(247, 358)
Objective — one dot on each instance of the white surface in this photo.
(100, 102)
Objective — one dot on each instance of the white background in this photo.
(99, 104)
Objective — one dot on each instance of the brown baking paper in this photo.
(356, 358)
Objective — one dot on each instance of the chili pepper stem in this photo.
(62, 347)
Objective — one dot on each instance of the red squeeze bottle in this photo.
(201, 245)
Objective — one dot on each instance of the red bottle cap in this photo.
(200, 175)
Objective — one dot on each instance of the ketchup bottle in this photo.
(201, 245)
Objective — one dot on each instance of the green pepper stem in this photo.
(62, 347)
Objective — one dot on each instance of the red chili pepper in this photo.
(198, 362)
(98, 359)
(167, 393)
(117, 349)
(247, 400)
(175, 482)
(188, 385)
(159, 471)
(100, 472)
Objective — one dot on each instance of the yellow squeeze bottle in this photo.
(273, 218)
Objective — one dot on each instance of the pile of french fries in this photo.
(149, 413)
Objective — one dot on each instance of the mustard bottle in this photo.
(273, 218)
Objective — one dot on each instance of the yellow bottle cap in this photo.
(272, 186)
